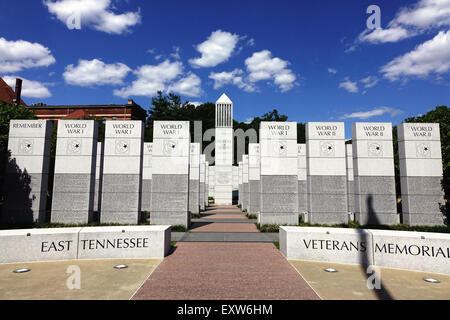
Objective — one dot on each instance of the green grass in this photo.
(277, 245)
(195, 216)
(356, 225)
(179, 229)
(173, 244)
(61, 225)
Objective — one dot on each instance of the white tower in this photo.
(224, 151)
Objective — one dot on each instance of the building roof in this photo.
(7, 94)
(224, 99)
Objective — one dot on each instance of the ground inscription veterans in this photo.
(419, 251)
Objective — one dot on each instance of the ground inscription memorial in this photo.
(327, 173)
(279, 173)
(75, 165)
(26, 173)
(418, 251)
(170, 183)
(122, 172)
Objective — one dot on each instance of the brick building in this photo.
(129, 111)
(7, 94)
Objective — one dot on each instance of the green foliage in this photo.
(179, 229)
(268, 227)
(8, 113)
(277, 245)
(251, 216)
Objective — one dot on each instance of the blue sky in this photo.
(313, 61)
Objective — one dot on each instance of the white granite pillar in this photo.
(327, 173)
(350, 179)
(146, 198)
(202, 182)
(98, 177)
(207, 178)
(194, 178)
(122, 172)
(420, 155)
(74, 180)
(302, 182)
(254, 178)
(279, 173)
(240, 189)
(374, 175)
(245, 186)
(170, 183)
(212, 181)
(26, 173)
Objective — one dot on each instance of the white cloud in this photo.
(332, 70)
(410, 21)
(166, 76)
(350, 86)
(364, 115)
(18, 55)
(393, 34)
(176, 53)
(196, 103)
(30, 89)
(251, 42)
(261, 66)
(432, 56)
(95, 72)
(426, 14)
(369, 81)
(96, 14)
(189, 86)
(234, 77)
(215, 50)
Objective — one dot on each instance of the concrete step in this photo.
(224, 237)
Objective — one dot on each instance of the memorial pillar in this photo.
(74, 179)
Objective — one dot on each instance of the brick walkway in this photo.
(228, 271)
